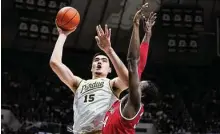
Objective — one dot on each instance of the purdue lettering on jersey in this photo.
(92, 100)
(90, 86)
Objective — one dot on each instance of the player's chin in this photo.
(98, 73)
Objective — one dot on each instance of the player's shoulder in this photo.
(79, 84)
(116, 104)
(112, 81)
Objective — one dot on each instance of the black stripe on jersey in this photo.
(79, 84)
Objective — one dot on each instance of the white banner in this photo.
(145, 128)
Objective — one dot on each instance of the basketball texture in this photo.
(67, 18)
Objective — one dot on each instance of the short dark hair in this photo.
(102, 53)
(148, 89)
(99, 53)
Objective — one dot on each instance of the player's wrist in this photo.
(108, 50)
(62, 35)
(148, 30)
(147, 36)
(136, 24)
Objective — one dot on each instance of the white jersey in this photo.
(92, 100)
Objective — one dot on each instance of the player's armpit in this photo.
(65, 75)
(118, 85)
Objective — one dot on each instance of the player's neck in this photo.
(98, 76)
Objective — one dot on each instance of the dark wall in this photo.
(118, 15)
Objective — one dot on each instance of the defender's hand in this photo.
(150, 21)
(139, 14)
(104, 38)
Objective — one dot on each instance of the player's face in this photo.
(148, 89)
(101, 65)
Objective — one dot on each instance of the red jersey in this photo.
(116, 123)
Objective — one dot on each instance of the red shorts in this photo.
(115, 123)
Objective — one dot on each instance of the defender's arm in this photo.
(134, 97)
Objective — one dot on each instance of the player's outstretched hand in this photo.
(103, 38)
(60, 31)
(150, 21)
(139, 14)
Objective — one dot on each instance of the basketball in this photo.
(67, 18)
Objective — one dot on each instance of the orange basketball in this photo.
(67, 18)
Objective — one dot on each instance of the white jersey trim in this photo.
(129, 119)
(79, 85)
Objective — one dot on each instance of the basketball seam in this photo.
(64, 15)
(70, 19)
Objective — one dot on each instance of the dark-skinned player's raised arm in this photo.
(132, 106)
(61, 70)
(144, 47)
(125, 114)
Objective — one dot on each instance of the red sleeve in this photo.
(143, 57)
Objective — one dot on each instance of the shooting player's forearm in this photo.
(119, 66)
(58, 49)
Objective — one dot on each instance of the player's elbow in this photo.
(53, 63)
(132, 57)
(132, 62)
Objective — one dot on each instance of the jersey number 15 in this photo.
(89, 98)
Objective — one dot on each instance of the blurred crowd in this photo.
(37, 98)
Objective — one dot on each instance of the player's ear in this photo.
(109, 70)
(91, 68)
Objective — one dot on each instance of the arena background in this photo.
(183, 61)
